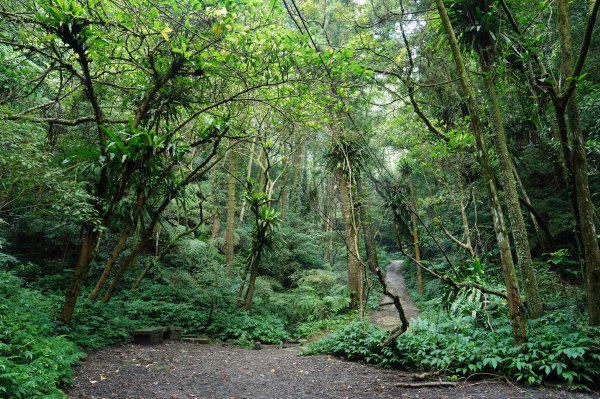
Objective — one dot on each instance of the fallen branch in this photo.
(425, 376)
(432, 384)
(396, 301)
(395, 333)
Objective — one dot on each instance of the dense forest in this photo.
(245, 170)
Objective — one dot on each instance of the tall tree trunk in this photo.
(262, 178)
(329, 218)
(248, 177)
(516, 313)
(415, 229)
(117, 250)
(367, 228)
(579, 166)
(125, 263)
(355, 284)
(252, 282)
(137, 249)
(231, 204)
(526, 199)
(466, 228)
(81, 269)
(283, 195)
(296, 184)
(517, 223)
(214, 193)
(120, 246)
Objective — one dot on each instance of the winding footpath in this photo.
(387, 315)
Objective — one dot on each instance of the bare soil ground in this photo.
(181, 370)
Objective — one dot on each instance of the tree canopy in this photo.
(246, 169)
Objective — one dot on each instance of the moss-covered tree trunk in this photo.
(579, 166)
(355, 284)
(517, 223)
(516, 313)
(230, 210)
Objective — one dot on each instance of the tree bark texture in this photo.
(351, 238)
(367, 228)
(415, 231)
(579, 167)
(252, 282)
(248, 177)
(516, 313)
(519, 231)
(81, 268)
(231, 203)
(214, 193)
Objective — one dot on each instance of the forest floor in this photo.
(181, 370)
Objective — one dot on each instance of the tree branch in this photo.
(58, 121)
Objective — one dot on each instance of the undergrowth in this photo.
(458, 349)
(34, 361)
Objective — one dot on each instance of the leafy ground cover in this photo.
(459, 350)
(37, 353)
(34, 359)
(457, 341)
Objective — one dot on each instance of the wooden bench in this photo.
(156, 335)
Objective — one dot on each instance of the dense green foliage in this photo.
(466, 335)
(240, 169)
(36, 354)
(457, 349)
(34, 359)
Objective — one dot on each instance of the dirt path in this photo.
(387, 315)
(180, 370)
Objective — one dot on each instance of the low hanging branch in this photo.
(165, 251)
(447, 279)
(465, 246)
(396, 212)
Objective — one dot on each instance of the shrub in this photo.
(244, 329)
(96, 324)
(319, 295)
(34, 361)
(311, 328)
(458, 349)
